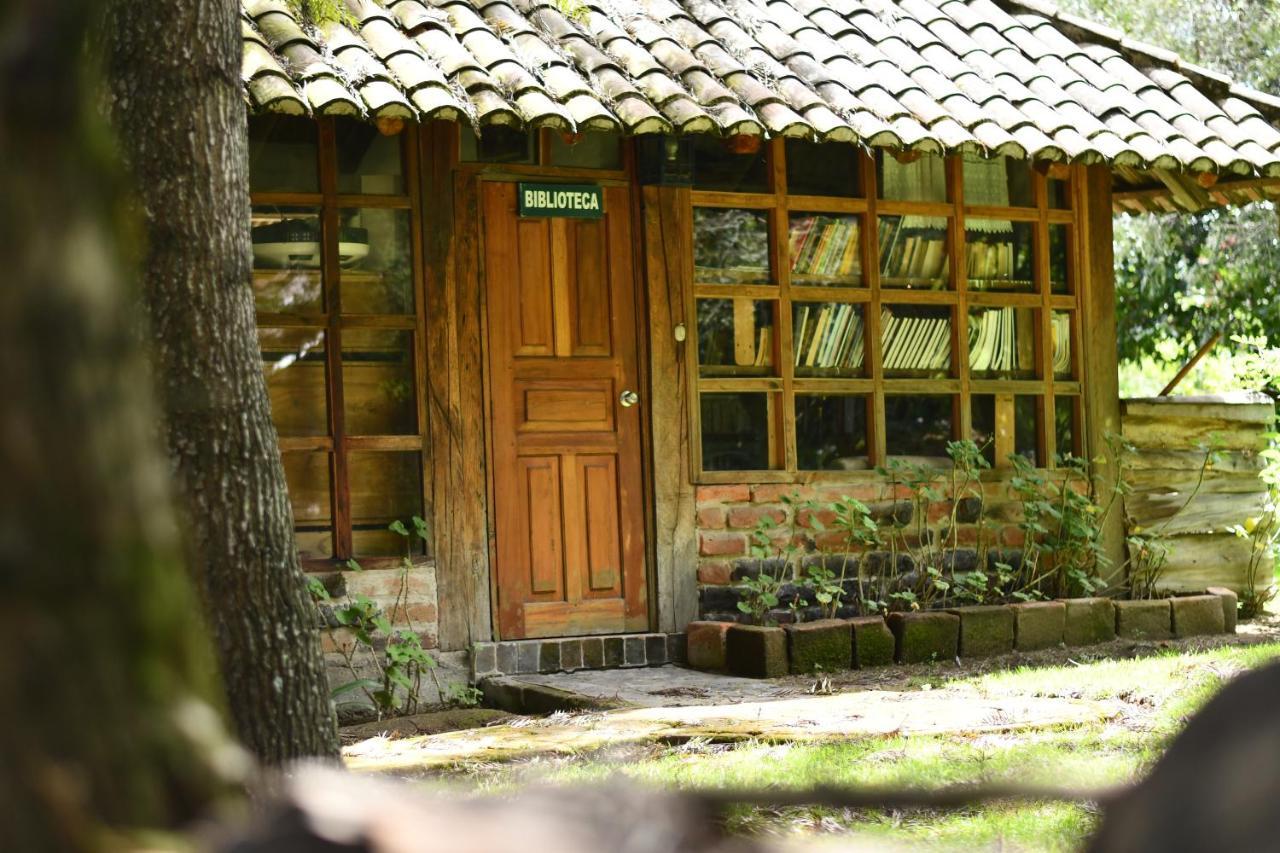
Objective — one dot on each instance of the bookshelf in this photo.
(837, 329)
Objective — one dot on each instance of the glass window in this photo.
(736, 164)
(827, 169)
(1065, 417)
(735, 337)
(731, 246)
(283, 154)
(498, 144)
(918, 425)
(736, 431)
(831, 432)
(293, 363)
(307, 475)
(1059, 187)
(998, 254)
(1060, 258)
(379, 394)
(915, 340)
(914, 177)
(586, 150)
(368, 161)
(1064, 365)
(1002, 342)
(827, 338)
(914, 252)
(376, 261)
(385, 487)
(825, 249)
(1009, 421)
(997, 182)
(286, 260)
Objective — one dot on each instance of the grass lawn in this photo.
(1154, 696)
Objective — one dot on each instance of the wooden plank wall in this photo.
(1170, 434)
(455, 402)
(667, 233)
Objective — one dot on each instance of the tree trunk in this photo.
(176, 103)
(108, 687)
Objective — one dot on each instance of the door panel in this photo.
(569, 517)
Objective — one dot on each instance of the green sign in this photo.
(576, 201)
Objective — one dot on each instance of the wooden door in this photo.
(568, 495)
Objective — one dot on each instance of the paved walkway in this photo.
(677, 704)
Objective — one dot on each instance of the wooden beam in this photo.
(1195, 359)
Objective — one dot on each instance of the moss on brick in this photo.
(1194, 615)
(705, 644)
(753, 651)
(873, 643)
(1038, 625)
(1143, 620)
(822, 646)
(922, 637)
(985, 630)
(1089, 621)
(1230, 607)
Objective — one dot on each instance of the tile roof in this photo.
(994, 76)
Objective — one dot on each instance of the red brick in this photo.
(865, 492)
(715, 572)
(722, 544)
(832, 541)
(1013, 537)
(704, 644)
(771, 493)
(826, 517)
(711, 518)
(725, 494)
(747, 517)
(939, 510)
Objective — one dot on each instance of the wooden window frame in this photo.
(338, 444)
(782, 291)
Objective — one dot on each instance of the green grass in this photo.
(1158, 694)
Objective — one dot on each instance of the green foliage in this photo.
(321, 12)
(778, 544)
(1260, 369)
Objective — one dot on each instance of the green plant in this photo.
(401, 662)
(463, 695)
(861, 533)
(776, 546)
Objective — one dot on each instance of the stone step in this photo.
(613, 651)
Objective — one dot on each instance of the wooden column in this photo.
(1100, 361)
(668, 234)
(455, 395)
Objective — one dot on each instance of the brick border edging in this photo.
(939, 634)
(572, 654)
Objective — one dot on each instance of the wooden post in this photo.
(1101, 360)
(667, 235)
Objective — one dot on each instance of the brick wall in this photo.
(727, 514)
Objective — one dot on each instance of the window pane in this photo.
(998, 254)
(377, 261)
(1064, 364)
(286, 260)
(815, 168)
(1060, 258)
(917, 425)
(307, 476)
(825, 249)
(914, 252)
(730, 246)
(1002, 343)
(1059, 191)
(1005, 423)
(385, 487)
(735, 337)
(368, 161)
(293, 362)
(378, 382)
(831, 432)
(283, 155)
(922, 179)
(587, 150)
(915, 340)
(736, 164)
(1064, 424)
(997, 182)
(735, 431)
(827, 338)
(498, 144)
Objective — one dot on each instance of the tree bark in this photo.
(176, 103)
(109, 702)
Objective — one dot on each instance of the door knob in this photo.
(628, 398)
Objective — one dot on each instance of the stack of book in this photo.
(828, 336)
(1060, 326)
(915, 343)
(994, 342)
(825, 247)
(911, 255)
